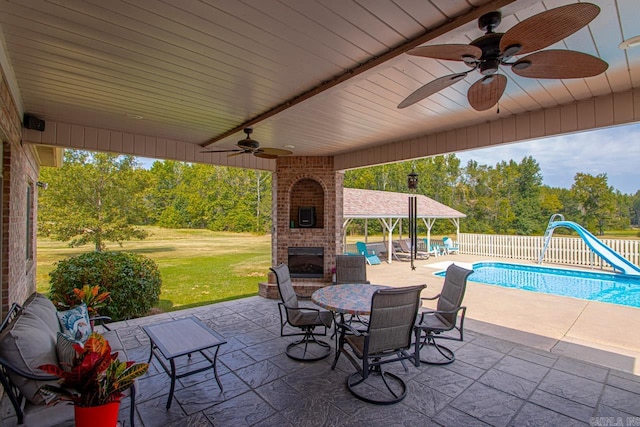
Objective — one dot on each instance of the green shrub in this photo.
(132, 280)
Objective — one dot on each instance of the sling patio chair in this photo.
(432, 324)
(305, 318)
(386, 340)
(351, 269)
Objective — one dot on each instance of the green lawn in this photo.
(198, 267)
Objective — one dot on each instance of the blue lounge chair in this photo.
(372, 258)
(434, 249)
(449, 247)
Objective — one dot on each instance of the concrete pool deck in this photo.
(601, 333)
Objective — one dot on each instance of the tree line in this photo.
(507, 198)
(98, 197)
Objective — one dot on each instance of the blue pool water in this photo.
(605, 287)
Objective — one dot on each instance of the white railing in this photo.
(561, 250)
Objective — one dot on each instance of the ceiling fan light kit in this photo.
(489, 52)
(629, 43)
(251, 146)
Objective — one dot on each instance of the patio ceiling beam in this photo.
(428, 35)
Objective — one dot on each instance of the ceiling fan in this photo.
(251, 146)
(487, 53)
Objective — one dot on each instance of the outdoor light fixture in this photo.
(628, 43)
(42, 185)
(412, 181)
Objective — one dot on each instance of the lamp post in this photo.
(412, 184)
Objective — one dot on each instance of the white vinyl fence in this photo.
(561, 250)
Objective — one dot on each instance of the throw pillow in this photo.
(75, 323)
(65, 350)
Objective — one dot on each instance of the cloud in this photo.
(614, 151)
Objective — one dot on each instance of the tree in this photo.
(635, 203)
(596, 199)
(93, 198)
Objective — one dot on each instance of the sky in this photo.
(614, 151)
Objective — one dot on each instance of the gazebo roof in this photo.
(387, 204)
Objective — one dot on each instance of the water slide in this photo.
(617, 261)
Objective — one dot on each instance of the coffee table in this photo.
(181, 337)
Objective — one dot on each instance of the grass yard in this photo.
(198, 267)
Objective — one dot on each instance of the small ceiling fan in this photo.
(251, 146)
(487, 53)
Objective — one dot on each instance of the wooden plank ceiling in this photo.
(195, 70)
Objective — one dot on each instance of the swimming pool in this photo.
(613, 288)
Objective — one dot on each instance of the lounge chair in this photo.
(432, 324)
(449, 246)
(371, 257)
(434, 250)
(405, 247)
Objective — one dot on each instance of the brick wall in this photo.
(19, 171)
(307, 181)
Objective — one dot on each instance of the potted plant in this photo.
(94, 382)
(90, 295)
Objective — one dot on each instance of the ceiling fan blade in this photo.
(484, 93)
(220, 151)
(431, 88)
(265, 155)
(452, 52)
(559, 64)
(236, 154)
(273, 151)
(546, 28)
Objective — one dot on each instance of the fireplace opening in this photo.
(306, 262)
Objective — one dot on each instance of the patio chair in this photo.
(405, 247)
(434, 249)
(371, 257)
(432, 323)
(398, 254)
(449, 246)
(351, 269)
(386, 340)
(305, 318)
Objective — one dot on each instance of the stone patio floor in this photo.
(493, 382)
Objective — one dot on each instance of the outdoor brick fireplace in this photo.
(307, 214)
(306, 263)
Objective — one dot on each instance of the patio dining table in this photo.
(352, 298)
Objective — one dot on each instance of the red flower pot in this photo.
(97, 416)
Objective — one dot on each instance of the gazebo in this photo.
(390, 208)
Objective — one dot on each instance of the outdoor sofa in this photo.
(28, 339)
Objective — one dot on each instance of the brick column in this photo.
(306, 181)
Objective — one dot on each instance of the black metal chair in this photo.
(432, 324)
(386, 340)
(306, 318)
